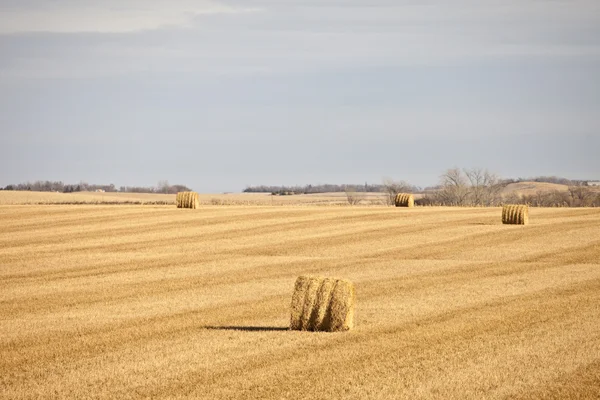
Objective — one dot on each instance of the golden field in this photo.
(150, 301)
(8, 197)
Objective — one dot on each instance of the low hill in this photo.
(530, 188)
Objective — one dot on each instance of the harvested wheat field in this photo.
(159, 302)
(8, 197)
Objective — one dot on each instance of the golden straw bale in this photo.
(341, 312)
(297, 307)
(322, 304)
(195, 200)
(515, 214)
(187, 200)
(404, 200)
(309, 302)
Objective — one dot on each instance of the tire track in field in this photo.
(94, 295)
(446, 248)
(583, 382)
(100, 228)
(405, 283)
(293, 220)
(589, 252)
(311, 245)
(140, 242)
(56, 347)
(32, 220)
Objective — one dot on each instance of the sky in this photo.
(220, 95)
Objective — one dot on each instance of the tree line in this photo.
(321, 188)
(61, 187)
(458, 187)
(479, 187)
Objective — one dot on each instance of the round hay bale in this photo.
(515, 214)
(404, 200)
(195, 201)
(322, 304)
(187, 200)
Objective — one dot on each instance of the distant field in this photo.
(14, 197)
(26, 197)
(159, 302)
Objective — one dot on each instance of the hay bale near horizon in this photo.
(187, 200)
(515, 214)
(404, 200)
(322, 304)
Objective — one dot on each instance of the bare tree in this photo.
(455, 188)
(581, 196)
(485, 187)
(163, 187)
(352, 197)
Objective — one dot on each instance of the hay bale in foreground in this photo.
(322, 304)
(404, 200)
(515, 214)
(187, 200)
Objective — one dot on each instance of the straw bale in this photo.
(404, 200)
(515, 214)
(322, 304)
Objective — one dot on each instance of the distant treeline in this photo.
(550, 179)
(575, 196)
(459, 187)
(323, 188)
(61, 187)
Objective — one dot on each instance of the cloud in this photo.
(105, 16)
(339, 80)
(211, 38)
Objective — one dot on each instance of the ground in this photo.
(151, 301)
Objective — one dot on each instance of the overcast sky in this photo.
(223, 94)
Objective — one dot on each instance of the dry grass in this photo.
(531, 188)
(322, 304)
(404, 200)
(151, 302)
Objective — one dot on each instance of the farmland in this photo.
(152, 301)
(8, 197)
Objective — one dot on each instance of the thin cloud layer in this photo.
(340, 88)
(69, 16)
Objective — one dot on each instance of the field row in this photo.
(155, 301)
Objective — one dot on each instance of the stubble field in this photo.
(158, 302)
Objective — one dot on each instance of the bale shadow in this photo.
(248, 328)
